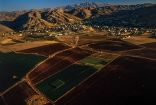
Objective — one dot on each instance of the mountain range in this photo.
(90, 13)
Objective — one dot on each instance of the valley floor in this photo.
(115, 71)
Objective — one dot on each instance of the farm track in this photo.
(76, 91)
(46, 50)
(72, 97)
(65, 97)
(19, 82)
(113, 46)
(57, 63)
(114, 81)
(21, 91)
(144, 53)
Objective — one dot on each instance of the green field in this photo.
(14, 66)
(93, 61)
(59, 84)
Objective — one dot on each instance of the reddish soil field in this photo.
(150, 45)
(19, 94)
(47, 50)
(126, 81)
(113, 45)
(149, 53)
(1, 101)
(84, 39)
(57, 63)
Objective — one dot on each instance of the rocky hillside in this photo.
(140, 15)
(82, 13)
(89, 5)
(58, 16)
(10, 16)
(5, 28)
(31, 20)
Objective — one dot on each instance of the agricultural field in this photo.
(13, 66)
(47, 49)
(92, 61)
(145, 52)
(140, 39)
(125, 81)
(57, 63)
(25, 95)
(64, 81)
(22, 91)
(112, 46)
(24, 46)
(150, 45)
(84, 38)
(106, 68)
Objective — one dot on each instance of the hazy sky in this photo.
(11, 5)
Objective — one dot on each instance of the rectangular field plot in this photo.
(47, 49)
(148, 53)
(113, 46)
(58, 63)
(19, 94)
(93, 61)
(57, 85)
(125, 81)
(14, 66)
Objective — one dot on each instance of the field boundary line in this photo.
(37, 90)
(41, 54)
(139, 57)
(27, 75)
(4, 101)
(54, 64)
(18, 50)
(59, 71)
(4, 92)
(85, 79)
(132, 50)
(32, 54)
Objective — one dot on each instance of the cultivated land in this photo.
(140, 39)
(83, 54)
(150, 45)
(13, 66)
(84, 38)
(24, 46)
(113, 46)
(115, 71)
(47, 49)
(145, 52)
(57, 63)
(21, 92)
(25, 95)
(62, 82)
(125, 81)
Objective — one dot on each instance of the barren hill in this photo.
(81, 12)
(140, 15)
(31, 20)
(5, 28)
(131, 16)
(58, 16)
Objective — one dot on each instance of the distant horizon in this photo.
(21, 5)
